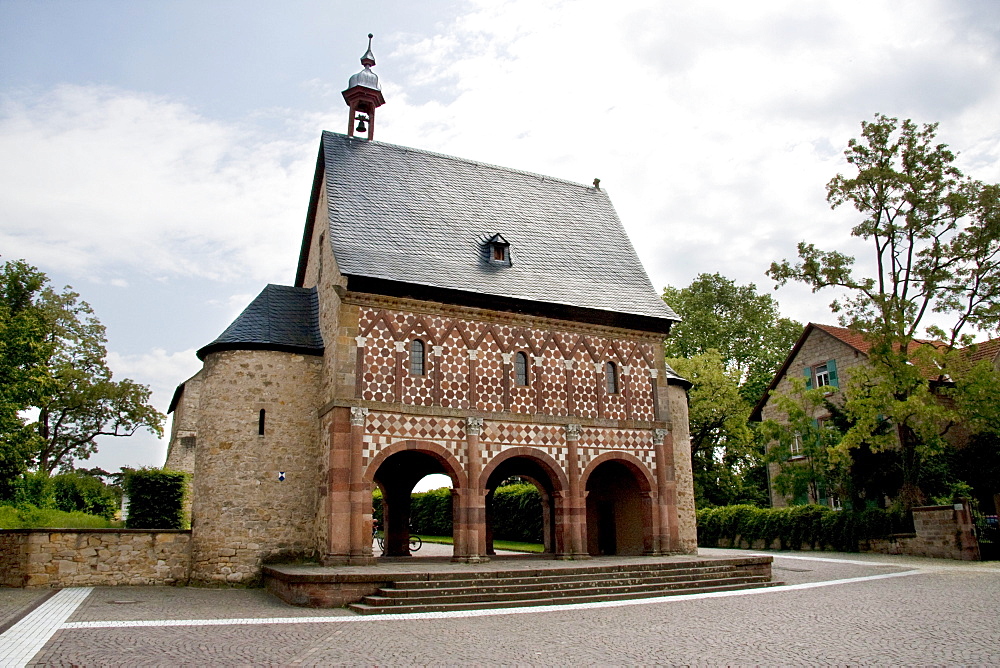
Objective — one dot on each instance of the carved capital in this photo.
(573, 432)
(400, 346)
(361, 341)
(474, 425)
(473, 353)
(539, 360)
(358, 415)
(659, 435)
(598, 368)
(507, 357)
(568, 364)
(653, 373)
(437, 351)
(626, 370)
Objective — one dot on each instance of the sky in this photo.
(158, 157)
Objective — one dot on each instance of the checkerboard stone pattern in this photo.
(384, 429)
(466, 367)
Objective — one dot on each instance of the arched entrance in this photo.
(537, 469)
(395, 472)
(619, 507)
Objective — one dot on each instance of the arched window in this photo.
(521, 369)
(417, 357)
(260, 423)
(611, 377)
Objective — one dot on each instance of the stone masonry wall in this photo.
(243, 513)
(93, 557)
(816, 349)
(688, 525)
(184, 427)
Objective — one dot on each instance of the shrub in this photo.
(85, 493)
(517, 514)
(795, 527)
(156, 498)
(430, 512)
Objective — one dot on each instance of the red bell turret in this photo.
(363, 96)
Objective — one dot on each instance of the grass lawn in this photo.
(511, 545)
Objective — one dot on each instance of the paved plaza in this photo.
(834, 609)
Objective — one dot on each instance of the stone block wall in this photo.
(817, 349)
(93, 557)
(243, 511)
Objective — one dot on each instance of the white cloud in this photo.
(161, 370)
(101, 180)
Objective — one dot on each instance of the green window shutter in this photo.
(808, 373)
(831, 367)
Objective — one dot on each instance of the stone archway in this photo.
(539, 469)
(619, 506)
(396, 470)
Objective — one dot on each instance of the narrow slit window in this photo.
(611, 376)
(260, 423)
(521, 369)
(417, 357)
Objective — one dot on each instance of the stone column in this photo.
(575, 504)
(666, 483)
(338, 549)
(360, 494)
(474, 498)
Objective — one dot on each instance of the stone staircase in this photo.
(579, 584)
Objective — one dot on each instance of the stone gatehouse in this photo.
(447, 316)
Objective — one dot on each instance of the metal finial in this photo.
(368, 60)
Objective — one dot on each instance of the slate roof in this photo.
(416, 217)
(280, 318)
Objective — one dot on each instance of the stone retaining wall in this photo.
(93, 557)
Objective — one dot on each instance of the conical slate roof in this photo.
(281, 318)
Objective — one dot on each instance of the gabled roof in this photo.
(414, 217)
(281, 318)
(988, 350)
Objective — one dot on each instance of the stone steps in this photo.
(460, 591)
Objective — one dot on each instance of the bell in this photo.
(361, 125)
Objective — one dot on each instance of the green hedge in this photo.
(517, 513)
(155, 498)
(794, 527)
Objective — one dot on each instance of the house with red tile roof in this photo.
(825, 355)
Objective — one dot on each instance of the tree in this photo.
(70, 384)
(23, 352)
(724, 453)
(745, 327)
(935, 241)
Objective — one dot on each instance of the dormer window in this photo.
(499, 250)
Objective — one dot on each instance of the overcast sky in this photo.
(158, 157)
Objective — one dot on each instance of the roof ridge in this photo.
(478, 163)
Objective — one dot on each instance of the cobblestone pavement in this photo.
(836, 609)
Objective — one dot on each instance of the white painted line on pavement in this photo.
(27, 637)
(831, 560)
(243, 621)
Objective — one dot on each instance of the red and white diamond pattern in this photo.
(448, 378)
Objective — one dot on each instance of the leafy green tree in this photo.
(724, 453)
(23, 353)
(935, 241)
(745, 327)
(61, 370)
(811, 466)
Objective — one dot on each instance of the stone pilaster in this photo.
(575, 504)
(474, 498)
(360, 494)
(666, 484)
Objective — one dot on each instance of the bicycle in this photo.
(415, 542)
